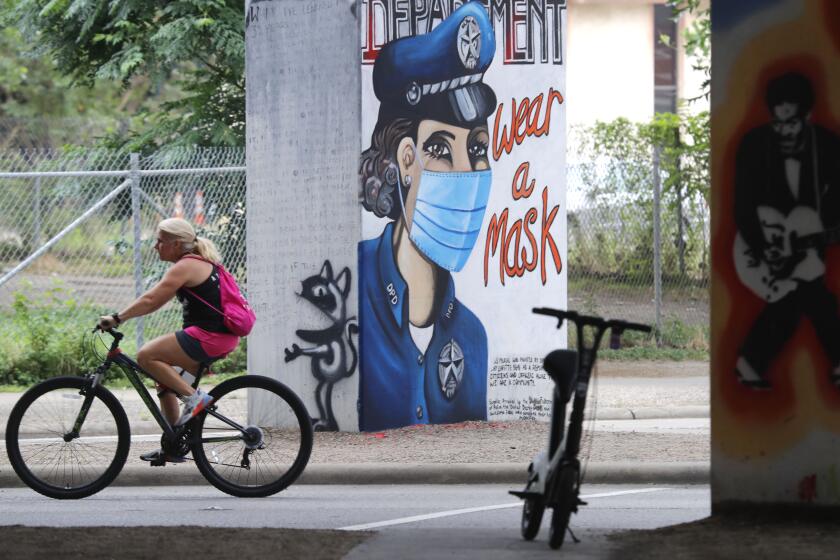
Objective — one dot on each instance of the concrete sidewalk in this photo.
(670, 450)
(136, 473)
(650, 425)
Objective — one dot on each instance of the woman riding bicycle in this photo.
(193, 277)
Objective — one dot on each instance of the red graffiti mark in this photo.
(525, 121)
(513, 257)
(808, 488)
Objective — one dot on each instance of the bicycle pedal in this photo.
(582, 503)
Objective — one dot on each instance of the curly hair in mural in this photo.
(378, 171)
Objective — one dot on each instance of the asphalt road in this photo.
(421, 521)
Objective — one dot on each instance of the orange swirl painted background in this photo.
(750, 424)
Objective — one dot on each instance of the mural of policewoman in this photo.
(423, 353)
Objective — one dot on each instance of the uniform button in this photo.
(420, 359)
(419, 412)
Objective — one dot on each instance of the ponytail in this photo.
(206, 249)
(183, 231)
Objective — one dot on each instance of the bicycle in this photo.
(554, 475)
(69, 437)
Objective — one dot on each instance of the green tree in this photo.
(198, 45)
(620, 176)
(38, 106)
(624, 151)
(697, 37)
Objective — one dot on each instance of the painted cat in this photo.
(334, 355)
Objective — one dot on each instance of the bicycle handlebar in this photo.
(112, 331)
(591, 320)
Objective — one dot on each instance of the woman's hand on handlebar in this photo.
(107, 322)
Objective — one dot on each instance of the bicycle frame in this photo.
(131, 370)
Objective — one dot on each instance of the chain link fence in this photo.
(77, 228)
(639, 249)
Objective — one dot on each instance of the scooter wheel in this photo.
(566, 503)
(532, 514)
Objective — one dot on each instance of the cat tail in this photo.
(352, 329)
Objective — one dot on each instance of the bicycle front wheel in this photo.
(255, 439)
(49, 457)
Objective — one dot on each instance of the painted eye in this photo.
(438, 150)
(478, 150)
(320, 291)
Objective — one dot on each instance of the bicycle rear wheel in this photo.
(44, 453)
(255, 438)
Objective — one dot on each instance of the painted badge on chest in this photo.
(450, 369)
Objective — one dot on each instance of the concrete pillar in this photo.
(406, 177)
(303, 113)
(775, 115)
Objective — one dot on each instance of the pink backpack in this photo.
(239, 318)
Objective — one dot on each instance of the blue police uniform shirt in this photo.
(398, 384)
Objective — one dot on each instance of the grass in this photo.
(678, 341)
(122, 382)
(642, 289)
(652, 354)
(47, 334)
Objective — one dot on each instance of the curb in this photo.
(417, 473)
(649, 413)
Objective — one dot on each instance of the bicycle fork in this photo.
(87, 391)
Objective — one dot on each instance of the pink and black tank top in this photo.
(196, 313)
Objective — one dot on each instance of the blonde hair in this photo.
(183, 231)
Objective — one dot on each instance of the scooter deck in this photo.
(525, 494)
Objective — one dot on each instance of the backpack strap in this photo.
(200, 258)
(194, 256)
(205, 302)
(195, 295)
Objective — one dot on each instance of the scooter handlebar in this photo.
(581, 320)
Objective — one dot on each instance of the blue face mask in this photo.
(448, 213)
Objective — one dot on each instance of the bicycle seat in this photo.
(561, 366)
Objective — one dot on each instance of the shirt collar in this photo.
(394, 287)
(392, 284)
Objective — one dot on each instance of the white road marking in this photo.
(424, 517)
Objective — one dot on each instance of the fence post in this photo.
(134, 177)
(657, 252)
(36, 211)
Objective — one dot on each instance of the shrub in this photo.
(49, 335)
(236, 362)
(44, 337)
(678, 341)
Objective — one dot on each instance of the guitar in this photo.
(793, 256)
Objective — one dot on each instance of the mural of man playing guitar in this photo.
(787, 209)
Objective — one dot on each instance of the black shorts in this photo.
(192, 348)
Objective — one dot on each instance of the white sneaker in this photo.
(193, 406)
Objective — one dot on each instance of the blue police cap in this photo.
(438, 75)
